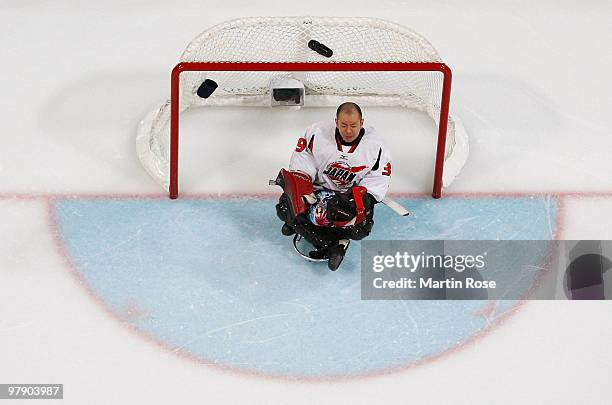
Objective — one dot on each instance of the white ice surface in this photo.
(531, 83)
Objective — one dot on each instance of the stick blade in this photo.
(395, 206)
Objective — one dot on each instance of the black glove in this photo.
(342, 206)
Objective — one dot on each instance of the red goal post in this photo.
(310, 67)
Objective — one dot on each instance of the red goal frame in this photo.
(314, 67)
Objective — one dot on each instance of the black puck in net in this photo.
(207, 88)
(320, 48)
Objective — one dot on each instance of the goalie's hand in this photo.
(298, 189)
(357, 203)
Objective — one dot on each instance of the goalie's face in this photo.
(349, 124)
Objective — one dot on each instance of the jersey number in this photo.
(387, 170)
(301, 145)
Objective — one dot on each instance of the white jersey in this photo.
(333, 164)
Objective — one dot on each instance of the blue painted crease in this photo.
(216, 279)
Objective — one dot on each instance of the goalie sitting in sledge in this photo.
(336, 175)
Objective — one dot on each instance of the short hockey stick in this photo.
(395, 206)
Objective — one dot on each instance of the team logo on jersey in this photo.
(342, 174)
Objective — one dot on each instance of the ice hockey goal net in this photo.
(374, 62)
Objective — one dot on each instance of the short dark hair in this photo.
(349, 107)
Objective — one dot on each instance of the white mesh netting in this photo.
(285, 39)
